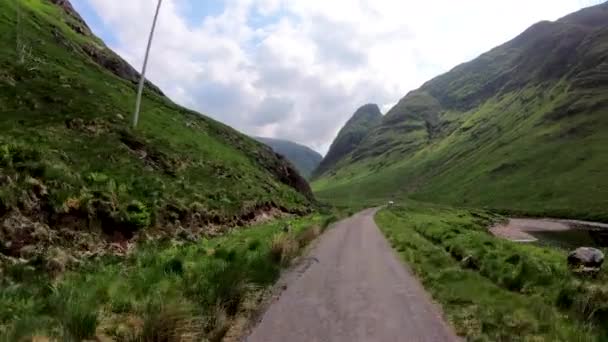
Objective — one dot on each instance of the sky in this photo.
(298, 69)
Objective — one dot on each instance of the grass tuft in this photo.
(282, 248)
(308, 235)
(174, 321)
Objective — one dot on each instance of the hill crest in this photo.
(350, 136)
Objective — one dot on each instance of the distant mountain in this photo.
(303, 158)
(350, 136)
(523, 127)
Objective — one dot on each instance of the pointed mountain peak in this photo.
(370, 110)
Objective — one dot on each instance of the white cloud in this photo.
(297, 69)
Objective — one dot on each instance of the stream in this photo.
(566, 234)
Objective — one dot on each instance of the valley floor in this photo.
(493, 289)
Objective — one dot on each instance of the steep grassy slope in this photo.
(523, 127)
(302, 157)
(349, 137)
(68, 158)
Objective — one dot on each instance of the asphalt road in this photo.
(354, 290)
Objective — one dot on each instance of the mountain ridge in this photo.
(302, 157)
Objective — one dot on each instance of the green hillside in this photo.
(350, 136)
(523, 127)
(302, 157)
(68, 158)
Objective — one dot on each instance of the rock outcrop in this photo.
(69, 9)
(99, 53)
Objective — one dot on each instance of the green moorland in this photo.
(522, 129)
(162, 292)
(67, 150)
(492, 289)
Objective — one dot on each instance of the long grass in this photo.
(162, 292)
(492, 289)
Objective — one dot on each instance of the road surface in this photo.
(355, 289)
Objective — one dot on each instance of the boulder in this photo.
(470, 262)
(587, 257)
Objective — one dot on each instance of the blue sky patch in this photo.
(95, 22)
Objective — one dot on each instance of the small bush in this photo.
(282, 248)
(121, 304)
(225, 254)
(566, 296)
(137, 215)
(308, 235)
(225, 284)
(591, 303)
(253, 245)
(77, 314)
(97, 178)
(174, 266)
(328, 221)
(217, 324)
(513, 259)
(10, 155)
(25, 329)
(173, 321)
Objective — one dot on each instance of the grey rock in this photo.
(586, 257)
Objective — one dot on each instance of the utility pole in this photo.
(142, 80)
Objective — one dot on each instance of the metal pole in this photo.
(142, 80)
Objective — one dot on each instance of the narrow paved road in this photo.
(355, 290)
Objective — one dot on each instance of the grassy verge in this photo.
(492, 289)
(162, 292)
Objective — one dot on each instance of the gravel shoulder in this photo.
(354, 289)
